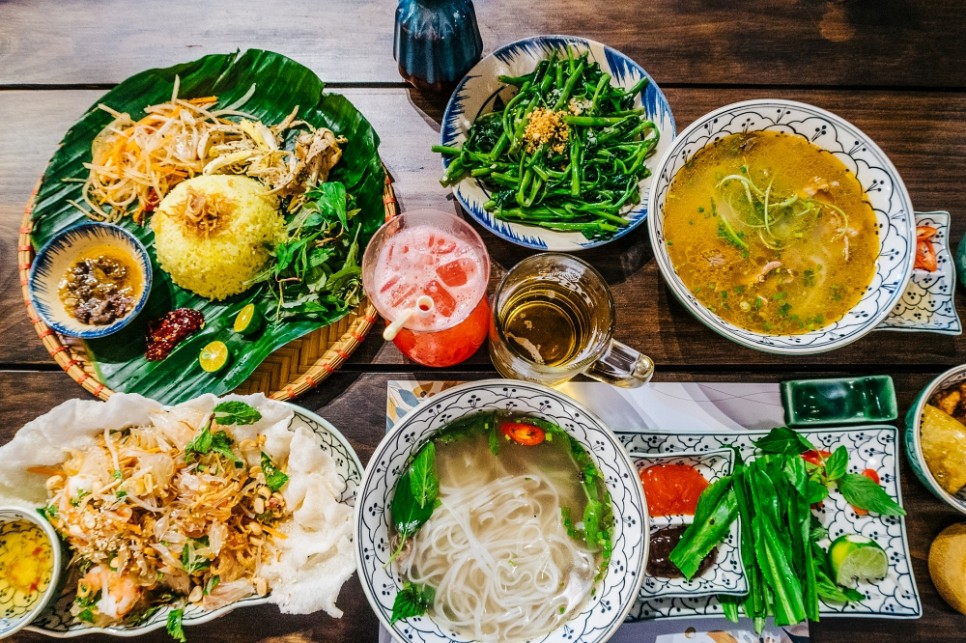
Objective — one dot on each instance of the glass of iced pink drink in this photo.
(426, 273)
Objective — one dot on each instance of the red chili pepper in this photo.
(925, 253)
(816, 457)
(872, 475)
(526, 434)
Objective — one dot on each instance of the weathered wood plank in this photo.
(887, 43)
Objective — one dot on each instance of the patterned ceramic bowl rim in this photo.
(476, 93)
(882, 183)
(614, 594)
(913, 437)
(13, 512)
(43, 285)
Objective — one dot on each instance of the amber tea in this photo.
(548, 325)
(553, 317)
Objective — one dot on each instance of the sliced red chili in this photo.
(816, 457)
(526, 434)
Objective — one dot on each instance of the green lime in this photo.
(857, 557)
(214, 356)
(249, 320)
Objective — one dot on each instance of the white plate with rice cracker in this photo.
(222, 506)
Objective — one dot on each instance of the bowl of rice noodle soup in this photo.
(501, 510)
(782, 226)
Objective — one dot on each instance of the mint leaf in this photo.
(200, 445)
(236, 412)
(175, 628)
(837, 464)
(412, 600)
(863, 493)
(221, 443)
(274, 477)
(784, 441)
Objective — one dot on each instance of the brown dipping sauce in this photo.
(100, 288)
(663, 541)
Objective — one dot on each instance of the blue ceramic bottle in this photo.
(436, 42)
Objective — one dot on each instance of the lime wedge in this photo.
(214, 357)
(854, 557)
(248, 321)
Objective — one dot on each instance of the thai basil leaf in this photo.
(837, 464)
(784, 441)
(412, 600)
(422, 476)
(863, 493)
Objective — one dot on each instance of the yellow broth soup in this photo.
(771, 233)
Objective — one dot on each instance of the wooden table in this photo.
(895, 69)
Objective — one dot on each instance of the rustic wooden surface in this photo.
(895, 69)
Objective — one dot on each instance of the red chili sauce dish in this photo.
(672, 489)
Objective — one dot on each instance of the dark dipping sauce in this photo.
(663, 541)
(99, 289)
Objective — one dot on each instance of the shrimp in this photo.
(112, 594)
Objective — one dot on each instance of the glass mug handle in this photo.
(623, 366)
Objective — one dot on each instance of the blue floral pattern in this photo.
(481, 92)
(616, 592)
(873, 447)
(883, 186)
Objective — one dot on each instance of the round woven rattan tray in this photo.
(287, 373)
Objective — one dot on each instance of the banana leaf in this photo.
(280, 84)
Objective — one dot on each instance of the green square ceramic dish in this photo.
(845, 400)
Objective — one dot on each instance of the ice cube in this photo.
(456, 273)
(445, 303)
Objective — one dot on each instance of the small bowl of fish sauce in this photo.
(91, 280)
(30, 564)
(673, 483)
(781, 226)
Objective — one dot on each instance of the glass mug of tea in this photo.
(426, 273)
(553, 317)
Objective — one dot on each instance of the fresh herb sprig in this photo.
(787, 570)
(316, 272)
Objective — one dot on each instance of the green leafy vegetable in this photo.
(199, 445)
(837, 464)
(566, 152)
(207, 442)
(278, 85)
(236, 412)
(412, 600)
(717, 509)
(422, 476)
(191, 559)
(416, 495)
(175, 627)
(863, 493)
(784, 441)
(274, 477)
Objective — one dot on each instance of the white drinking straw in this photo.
(424, 306)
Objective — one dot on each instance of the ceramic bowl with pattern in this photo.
(481, 92)
(30, 567)
(879, 179)
(725, 575)
(615, 592)
(913, 438)
(89, 242)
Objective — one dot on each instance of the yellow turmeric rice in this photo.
(212, 234)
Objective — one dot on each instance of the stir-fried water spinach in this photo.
(566, 152)
(787, 570)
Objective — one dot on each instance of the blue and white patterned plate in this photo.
(725, 576)
(875, 447)
(874, 171)
(616, 591)
(56, 620)
(58, 255)
(927, 304)
(480, 89)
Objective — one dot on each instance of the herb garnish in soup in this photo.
(502, 526)
(771, 233)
